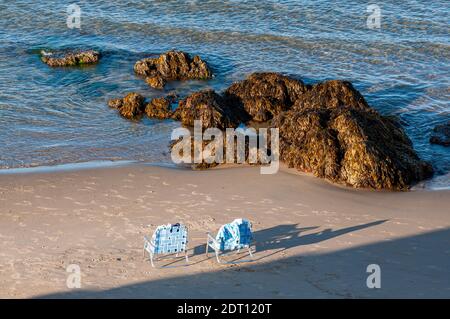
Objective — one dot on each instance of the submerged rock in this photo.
(354, 146)
(209, 107)
(331, 94)
(264, 95)
(159, 108)
(70, 58)
(441, 135)
(130, 107)
(172, 66)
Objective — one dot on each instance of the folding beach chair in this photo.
(167, 239)
(236, 235)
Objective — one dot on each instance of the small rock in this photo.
(172, 66)
(130, 107)
(441, 134)
(115, 103)
(70, 58)
(159, 108)
(156, 82)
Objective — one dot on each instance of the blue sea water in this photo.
(59, 116)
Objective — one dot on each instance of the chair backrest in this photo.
(235, 235)
(245, 232)
(169, 239)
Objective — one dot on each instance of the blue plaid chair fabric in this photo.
(170, 239)
(167, 239)
(245, 233)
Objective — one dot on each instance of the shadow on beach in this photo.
(283, 237)
(415, 266)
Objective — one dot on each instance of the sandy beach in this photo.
(313, 239)
(118, 117)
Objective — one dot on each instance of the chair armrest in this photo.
(211, 239)
(149, 241)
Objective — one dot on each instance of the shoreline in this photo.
(313, 239)
(427, 185)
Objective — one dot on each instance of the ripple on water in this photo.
(50, 116)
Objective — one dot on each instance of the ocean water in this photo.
(59, 116)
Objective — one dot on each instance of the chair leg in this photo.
(186, 255)
(151, 260)
(250, 252)
(217, 256)
(206, 250)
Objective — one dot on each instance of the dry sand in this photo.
(313, 239)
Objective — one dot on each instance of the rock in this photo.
(199, 69)
(172, 66)
(327, 129)
(209, 107)
(159, 108)
(263, 108)
(173, 97)
(264, 95)
(306, 144)
(199, 146)
(441, 134)
(70, 58)
(353, 146)
(331, 94)
(130, 107)
(156, 82)
(115, 103)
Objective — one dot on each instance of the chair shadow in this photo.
(416, 267)
(169, 261)
(283, 237)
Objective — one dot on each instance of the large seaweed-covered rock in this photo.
(264, 95)
(331, 94)
(130, 107)
(441, 134)
(171, 66)
(209, 107)
(196, 147)
(159, 108)
(357, 147)
(207, 150)
(327, 129)
(70, 58)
